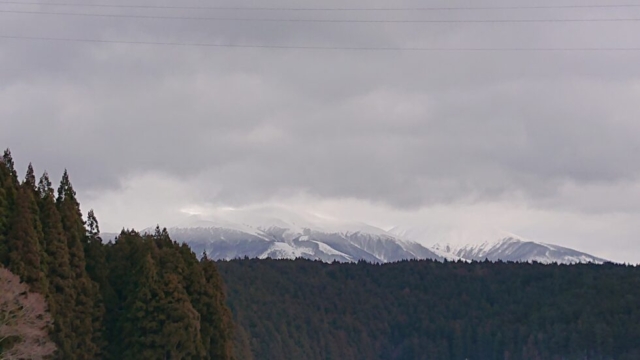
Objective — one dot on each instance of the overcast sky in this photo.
(541, 144)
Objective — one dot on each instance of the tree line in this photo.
(301, 309)
(65, 294)
(142, 296)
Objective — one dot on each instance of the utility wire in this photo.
(349, 48)
(355, 21)
(250, 8)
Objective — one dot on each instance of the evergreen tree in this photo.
(179, 321)
(30, 178)
(8, 194)
(45, 187)
(31, 188)
(124, 259)
(85, 290)
(61, 290)
(98, 271)
(217, 326)
(181, 279)
(92, 226)
(4, 214)
(25, 253)
(7, 160)
(140, 326)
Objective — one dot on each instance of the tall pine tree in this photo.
(31, 187)
(179, 321)
(61, 297)
(140, 327)
(4, 214)
(23, 243)
(8, 194)
(217, 325)
(86, 291)
(98, 271)
(7, 160)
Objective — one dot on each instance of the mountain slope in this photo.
(496, 245)
(286, 243)
(279, 233)
(513, 249)
(283, 234)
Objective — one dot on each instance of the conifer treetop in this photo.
(30, 178)
(65, 190)
(93, 228)
(7, 160)
(45, 187)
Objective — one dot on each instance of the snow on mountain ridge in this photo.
(257, 233)
(279, 250)
(513, 249)
(478, 250)
(492, 244)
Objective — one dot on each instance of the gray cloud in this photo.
(404, 129)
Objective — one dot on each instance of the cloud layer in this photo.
(404, 131)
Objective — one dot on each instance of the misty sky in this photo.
(542, 144)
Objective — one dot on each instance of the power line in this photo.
(297, 47)
(355, 21)
(249, 8)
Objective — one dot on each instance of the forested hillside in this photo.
(144, 296)
(141, 297)
(429, 310)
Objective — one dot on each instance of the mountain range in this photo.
(280, 233)
(494, 245)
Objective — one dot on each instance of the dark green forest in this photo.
(429, 310)
(144, 296)
(140, 297)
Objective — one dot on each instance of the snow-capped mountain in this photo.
(494, 245)
(279, 233)
(514, 249)
(282, 234)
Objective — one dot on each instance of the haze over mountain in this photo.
(281, 233)
(541, 141)
(352, 134)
